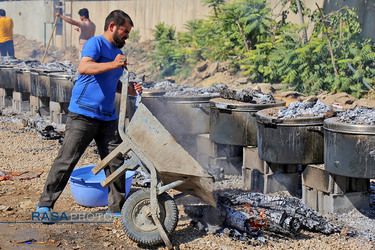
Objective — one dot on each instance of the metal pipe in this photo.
(170, 186)
(180, 195)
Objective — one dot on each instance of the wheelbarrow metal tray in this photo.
(170, 159)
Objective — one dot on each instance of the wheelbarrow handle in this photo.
(123, 101)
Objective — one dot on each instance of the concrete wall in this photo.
(29, 17)
(34, 18)
(144, 13)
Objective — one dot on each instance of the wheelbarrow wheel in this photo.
(137, 221)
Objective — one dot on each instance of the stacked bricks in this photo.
(21, 101)
(6, 96)
(329, 193)
(265, 177)
(58, 112)
(39, 105)
(218, 159)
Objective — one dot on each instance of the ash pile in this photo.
(66, 66)
(307, 109)
(246, 95)
(359, 116)
(250, 217)
(173, 89)
(42, 125)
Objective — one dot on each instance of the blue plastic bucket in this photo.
(87, 190)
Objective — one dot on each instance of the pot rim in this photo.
(298, 121)
(222, 103)
(45, 70)
(189, 98)
(333, 125)
(153, 92)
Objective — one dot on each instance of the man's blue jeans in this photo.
(7, 48)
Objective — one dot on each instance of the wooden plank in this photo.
(123, 148)
(130, 164)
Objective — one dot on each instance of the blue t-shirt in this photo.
(94, 95)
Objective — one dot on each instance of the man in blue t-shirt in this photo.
(92, 114)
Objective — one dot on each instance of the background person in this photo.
(85, 26)
(6, 35)
(92, 114)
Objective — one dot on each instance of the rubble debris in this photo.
(25, 205)
(5, 208)
(27, 175)
(299, 109)
(358, 115)
(141, 178)
(45, 129)
(28, 241)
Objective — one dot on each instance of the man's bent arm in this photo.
(88, 66)
(68, 20)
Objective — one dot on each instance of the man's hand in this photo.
(134, 88)
(57, 14)
(120, 61)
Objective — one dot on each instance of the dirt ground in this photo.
(22, 149)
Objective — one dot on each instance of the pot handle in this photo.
(77, 179)
(201, 107)
(315, 128)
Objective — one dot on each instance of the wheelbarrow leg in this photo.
(155, 208)
(131, 164)
(123, 148)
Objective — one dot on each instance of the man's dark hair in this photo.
(119, 18)
(84, 12)
(2, 12)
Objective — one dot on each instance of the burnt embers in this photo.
(247, 216)
(246, 95)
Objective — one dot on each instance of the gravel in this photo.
(173, 89)
(66, 66)
(298, 109)
(358, 115)
(23, 149)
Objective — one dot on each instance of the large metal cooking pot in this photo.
(290, 141)
(8, 76)
(151, 98)
(233, 122)
(182, 114)
(40, 81)
(23, 84)
(349, 149)
(61, 87)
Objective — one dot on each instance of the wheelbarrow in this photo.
(150, 215)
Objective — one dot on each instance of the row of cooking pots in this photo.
(345, 149)
(40, 82)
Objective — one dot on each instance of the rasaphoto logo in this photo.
(53, 216)
(71, 217)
